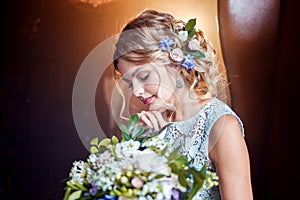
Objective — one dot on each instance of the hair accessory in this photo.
(190, 48)
(166, 43)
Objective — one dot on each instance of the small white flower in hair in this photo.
(183, 35)
(177, 55)
(194, 44)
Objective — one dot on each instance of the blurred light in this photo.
(93, 3)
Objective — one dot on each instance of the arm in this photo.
(230, 155)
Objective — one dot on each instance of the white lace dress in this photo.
(193, 134)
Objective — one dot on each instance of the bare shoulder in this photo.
(230, 155)
(226, 139)
(227, 122)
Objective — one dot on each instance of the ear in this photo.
(178, 68)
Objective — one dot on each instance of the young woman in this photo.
(170, 66)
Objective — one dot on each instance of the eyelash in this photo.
(144, 78)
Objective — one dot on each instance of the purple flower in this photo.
(166, 43)
(93, 190)
(189, 62)
(175, 194)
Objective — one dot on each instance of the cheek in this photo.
(152, 88)
(168, 85)
(152, 84)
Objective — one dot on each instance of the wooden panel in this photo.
(248, 32)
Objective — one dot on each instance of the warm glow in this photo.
(93, 3)
(114, 14)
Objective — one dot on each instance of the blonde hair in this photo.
(139, 43)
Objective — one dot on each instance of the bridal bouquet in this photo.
(137, 167)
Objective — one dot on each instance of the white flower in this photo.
(183, 35)
(155, 142)
(149, 161)
(103, 178)
(167, 190)
(98, 159)
(127, 149)
(177, 55)
(194, 44)
(78, 172)
(174, 182)
(159, 196)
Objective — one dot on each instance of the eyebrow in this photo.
(133, 74)
(136, 71)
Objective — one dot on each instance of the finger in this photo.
(152, 119)
(160, 119)
(144, 119)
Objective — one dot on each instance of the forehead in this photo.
(128, 68)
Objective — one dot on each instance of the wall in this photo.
(44, 43)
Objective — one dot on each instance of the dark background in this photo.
(41, 51)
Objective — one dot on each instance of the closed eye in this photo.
(144, 77)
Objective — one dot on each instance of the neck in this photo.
(188, 103)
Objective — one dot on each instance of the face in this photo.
(154, 85)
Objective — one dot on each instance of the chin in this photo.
(156, 107)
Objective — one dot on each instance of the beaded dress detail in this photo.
(193, 137)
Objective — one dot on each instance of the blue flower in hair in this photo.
(188, 62)
(166, 43)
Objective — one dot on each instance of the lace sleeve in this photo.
(220, 109)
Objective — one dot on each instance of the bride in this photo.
(170, 66)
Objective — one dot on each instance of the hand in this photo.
(152, 119)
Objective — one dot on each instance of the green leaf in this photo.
(192, 33)
(197, 175)
(67, 194)
(196, 54)
(101, 149)
(114, 140)
(75, 195)
(182, 178)
(124, 129)
(190, 25)
(203, 171)
(105, 142)
(81, 187)
(71, 185)
(117, 192)
(159, 176)
(138, 131)
(87, 197)
(194, 190)
(94, 149)
(133, 120)
(183, 160)
(163, 151)
(183, 195)
(174, 154)
(126, 136)
(174, 168)
(94, 141)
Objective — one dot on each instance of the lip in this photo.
(147, 100)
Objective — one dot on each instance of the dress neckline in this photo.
(196, 115)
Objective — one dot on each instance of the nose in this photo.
(138, 91)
